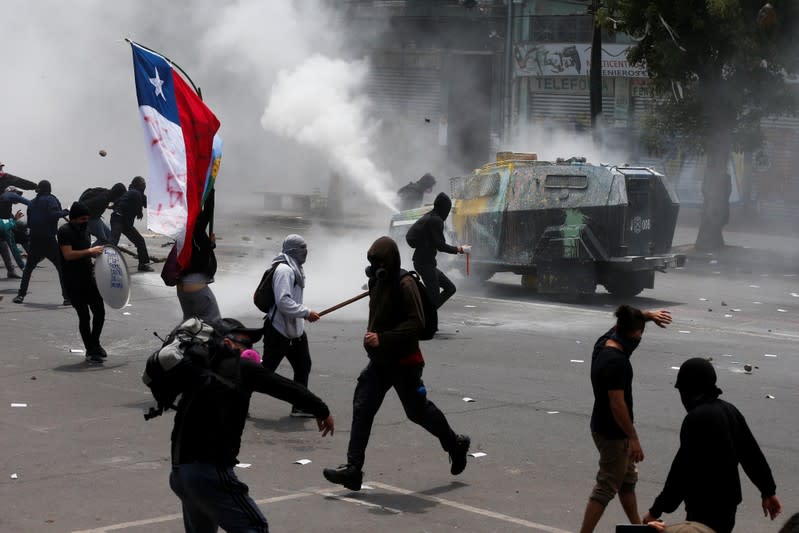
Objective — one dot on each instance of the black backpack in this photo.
(264, 295)
(416, 233)
(430, 311)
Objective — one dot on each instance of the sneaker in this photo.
(19, 299)
(67, 301)
(299, 413)
(457, 456)
(14, 275)
(101, 351)
(145, 268)
(348, 475)
(94, 359)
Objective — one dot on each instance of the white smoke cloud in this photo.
(321, 103)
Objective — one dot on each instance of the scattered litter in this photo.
(126, 313)
(477, 454)
(726, 355)
(727, 316)
(754, 286)
(552, 412)
(302, 462)
(244, 465)
(470, 306)
(14, 476)
(758, 303)
(748, 369)
(245, 238)
(19, 405)
(723, 303)
(782, 310)
(795, 294)
(769, 396)
(769, 355)
(735, 310)
(467, 399)
(713, 261)
(576, 361)
(128, 305)
(789, 275)
(578, 342)
(675, 368)
(684, 331)
(75, 350)
(709, 310)
(33, 378)
(366, 487)
(702, 299)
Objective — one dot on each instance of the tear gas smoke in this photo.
(321, 104)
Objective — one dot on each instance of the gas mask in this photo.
(376, 273)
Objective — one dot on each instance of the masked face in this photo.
(376, 272)
(300, 254)
(628, 343)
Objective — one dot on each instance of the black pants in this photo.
(719, 519)
(42, 248)
(85, 297)
(439, 287)
(373, 384)
(276, 347)
(120, 226)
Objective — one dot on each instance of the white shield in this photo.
(113, 279)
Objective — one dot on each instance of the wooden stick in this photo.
(343, 304)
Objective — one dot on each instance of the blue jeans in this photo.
(100, 230)
(213, 497)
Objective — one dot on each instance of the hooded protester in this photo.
(98, 199)
(714, 440)
(396, 318)
(411, 195)
(43, 214)
(210, 419)
(612, 417)
(284, 325)
(128, 207)
(427, 236)
(76, 263)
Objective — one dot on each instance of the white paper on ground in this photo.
(477, 454)
(782, 310)
(244, 465)
(470, 306)
(552, 412)
(75, 350)
(126, 313)
(675, 368)
(576, 361)
(769, 396)
(19, 405)
(467, 399)
(14, 476)
(769, 355)
(302, 462)
(684, 331)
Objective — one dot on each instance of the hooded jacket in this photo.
(288, 284)
(43, 214)
(396, 313)
(98, 198)
(714, 440)
(432, 232)
(130, 205)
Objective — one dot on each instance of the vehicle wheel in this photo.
(530, 281)
(624, 288)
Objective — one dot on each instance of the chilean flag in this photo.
(179, 131)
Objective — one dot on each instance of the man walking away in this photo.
(396, 318)
(612, 417)
(43, 214)
(411, 195)
(427, 236)
(714, 440)
(195, 296)
(284, 327)
(206, 437)
(129, 207)
(98, 199)
(76, 254)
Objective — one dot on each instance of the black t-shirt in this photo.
(610, 370)
(69, 235)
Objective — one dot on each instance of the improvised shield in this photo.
(113, 279)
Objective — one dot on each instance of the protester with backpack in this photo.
(427, 237)
(396, 320)
(216, 384)
(284, 324)
(98, 199)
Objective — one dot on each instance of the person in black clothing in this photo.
(791, 525)
(14, 230)
(195, 296)
(76, 257)
(396, 317)
(207, 433)
(714, 440)
(612, 417)
(427, 236)
(43, 214)
(130, 206)
(411, 195)
(7, 179)
(98, 199)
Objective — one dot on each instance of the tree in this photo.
(721, 65)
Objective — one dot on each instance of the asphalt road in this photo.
(83, 458)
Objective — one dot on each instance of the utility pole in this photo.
(595, 82)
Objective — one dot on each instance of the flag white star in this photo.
(158, 84)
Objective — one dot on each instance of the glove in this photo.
(467, 248)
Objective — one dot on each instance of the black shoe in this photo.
(94, 359)
(348, 475)
(67, 301)
(145, 268)
(101, 351)
(299, 413)
(14, 275)
(19, 299)
(457, 455)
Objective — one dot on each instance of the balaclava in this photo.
(295, 252)
(442, 205)
(696, 381)
(44, 187)
(117, 191)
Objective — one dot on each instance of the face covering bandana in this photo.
(628, 344)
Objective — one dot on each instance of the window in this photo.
(561, 181)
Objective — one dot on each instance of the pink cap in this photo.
(252, 355)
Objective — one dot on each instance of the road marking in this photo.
(470, 509)
(328, 494)
(170, 517)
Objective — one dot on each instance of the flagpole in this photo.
(193, 86)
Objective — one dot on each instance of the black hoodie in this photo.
(431, 231)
